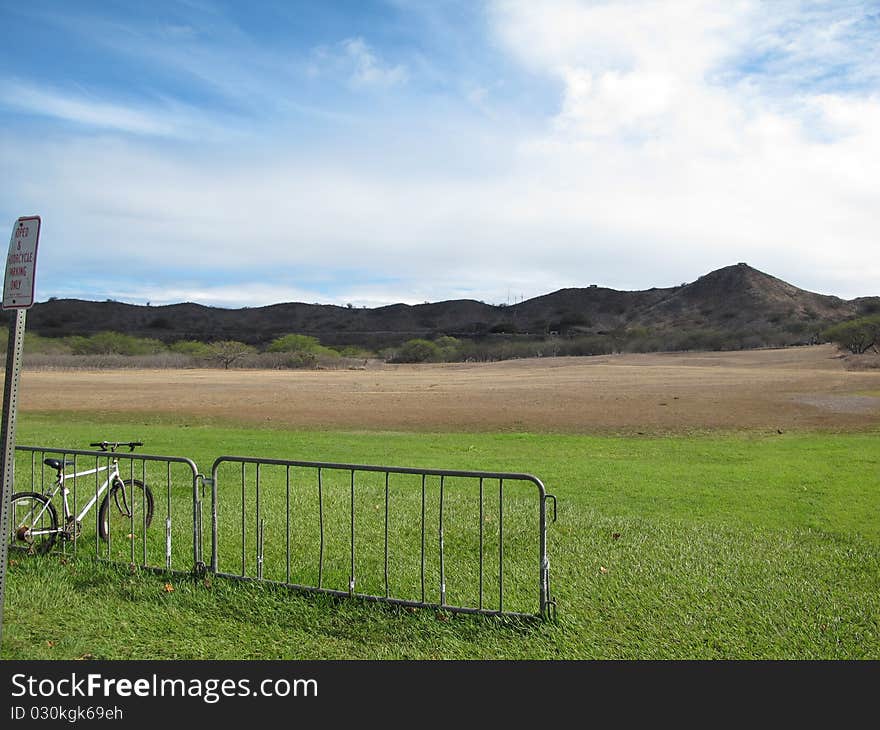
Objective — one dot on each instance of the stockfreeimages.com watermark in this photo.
(208, 690)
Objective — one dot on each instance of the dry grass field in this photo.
(797, 388)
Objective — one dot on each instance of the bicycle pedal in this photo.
(72, 529)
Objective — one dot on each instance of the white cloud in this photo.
(649, 147)
(354, 60)
(682, 37)
(367, 69)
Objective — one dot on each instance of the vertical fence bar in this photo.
(500, 544)
(259, 523)
(424, 477)
(261, 533)
(442, 564)
(481, 544)
(98, 511)
(548, 605)
(197, 534)
(198, 494)
(74, 512)
(168, 544)
(243, 523)
(351, 576)
(287, 524)
(387, 592)
(130, 510)
(542, 558)
(321, 528)
(110, 535)
(143, 508)
(215, 527)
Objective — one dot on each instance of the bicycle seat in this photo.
(58, 464)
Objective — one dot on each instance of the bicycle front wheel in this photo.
(33, 523)
(126, 511)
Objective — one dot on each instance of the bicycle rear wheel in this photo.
(127, 509)
(33, 523)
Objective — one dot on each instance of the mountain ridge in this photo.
(737, 300)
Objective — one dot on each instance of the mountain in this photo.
(732, 304)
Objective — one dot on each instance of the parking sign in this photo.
(21, 264)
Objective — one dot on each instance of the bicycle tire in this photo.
(22, 512)
(116, 508)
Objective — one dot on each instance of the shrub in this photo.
(286, 360)
(417, 350)
(355, 352)
(113, 343)
(192, 348)
(300, 344)
(34, 343)
(449, 348)
(293, 343)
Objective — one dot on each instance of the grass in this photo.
(733, 546)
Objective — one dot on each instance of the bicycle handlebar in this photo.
(113, 445)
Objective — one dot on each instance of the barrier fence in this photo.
(463, 541)
(124, 523)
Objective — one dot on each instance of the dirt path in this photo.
(767, 389)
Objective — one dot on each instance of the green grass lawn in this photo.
(733, 545)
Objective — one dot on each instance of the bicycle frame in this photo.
(112, 468)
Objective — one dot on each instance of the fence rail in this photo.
(462, 541)
(309, 525)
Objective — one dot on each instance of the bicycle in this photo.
(126, 506)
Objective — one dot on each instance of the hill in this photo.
(736, 306)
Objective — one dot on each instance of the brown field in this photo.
(798, 388)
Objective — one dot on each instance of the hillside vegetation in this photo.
(736, 307)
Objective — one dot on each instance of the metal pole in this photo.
(7, 450)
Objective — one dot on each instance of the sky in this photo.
(373, 152)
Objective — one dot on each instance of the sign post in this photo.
(18, 294)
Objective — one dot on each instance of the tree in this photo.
(294, 343)
(228, 351)
(418, 350)
(856, 335)
(300, 344)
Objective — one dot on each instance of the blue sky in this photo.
(249, 153)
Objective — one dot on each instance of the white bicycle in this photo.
(126, 508)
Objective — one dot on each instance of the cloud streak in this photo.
(168, 119)
(352, 59)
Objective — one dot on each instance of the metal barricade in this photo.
(131, 525)
(451, 540)
(463, 541)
